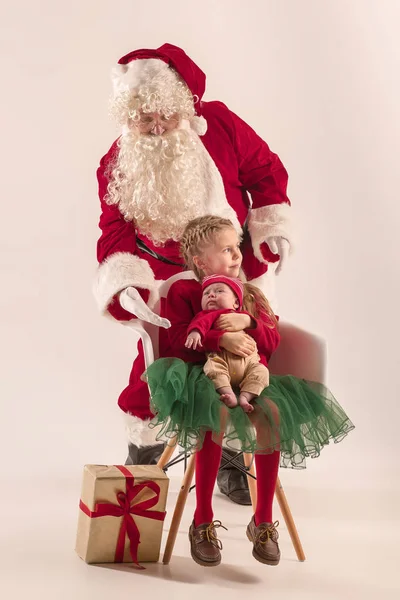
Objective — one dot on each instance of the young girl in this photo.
(292, 418)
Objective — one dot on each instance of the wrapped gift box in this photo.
(122, 509)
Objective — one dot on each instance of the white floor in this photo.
(350, 539)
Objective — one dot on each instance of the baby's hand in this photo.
(193, 340)
(233, 322)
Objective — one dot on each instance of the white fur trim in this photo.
(216, 204)
(119, 271)
(199, 125)
(140, 72)
(269, 221)
(138, 431)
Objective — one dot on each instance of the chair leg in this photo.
(249, 463)
(168, 452)
(287, 515)
(179, 507)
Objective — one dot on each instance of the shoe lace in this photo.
(210, 535)
(268, 533)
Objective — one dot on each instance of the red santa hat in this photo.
(235, 284)
(167, 66)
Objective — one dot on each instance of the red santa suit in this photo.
(246, 183)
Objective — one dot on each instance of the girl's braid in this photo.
(197, 234)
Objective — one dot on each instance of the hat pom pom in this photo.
(199, 125)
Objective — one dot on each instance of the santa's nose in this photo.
(158, 129)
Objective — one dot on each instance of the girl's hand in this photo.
(193, 340)
(238, 343)
(234, 322)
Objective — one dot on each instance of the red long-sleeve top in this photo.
(183, 309)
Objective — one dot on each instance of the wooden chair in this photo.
(300, 353)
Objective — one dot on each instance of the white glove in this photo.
(131, 301)
(281, 246)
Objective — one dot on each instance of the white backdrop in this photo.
(319, 81)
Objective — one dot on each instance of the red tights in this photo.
(207, 464)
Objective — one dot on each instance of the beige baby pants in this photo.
(227, 369)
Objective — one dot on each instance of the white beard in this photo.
(163, 182)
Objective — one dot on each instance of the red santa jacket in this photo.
(243, 164)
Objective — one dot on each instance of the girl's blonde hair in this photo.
(255, 303)
(198, 234)
(201, 232)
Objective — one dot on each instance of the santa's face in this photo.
(155, 123)
(222, 256)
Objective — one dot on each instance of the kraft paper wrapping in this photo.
(97, 538)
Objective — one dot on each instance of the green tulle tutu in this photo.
(295, 416)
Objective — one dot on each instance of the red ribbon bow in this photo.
(125, 509)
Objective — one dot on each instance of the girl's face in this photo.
(222, 256)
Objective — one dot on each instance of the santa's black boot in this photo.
(232, 482)
(144, 455)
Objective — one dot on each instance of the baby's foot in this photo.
(244, 398)
(229, 400)
(228, 397)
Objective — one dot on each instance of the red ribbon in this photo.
(125, 509)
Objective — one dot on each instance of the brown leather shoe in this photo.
(205, 547)
(265, 542)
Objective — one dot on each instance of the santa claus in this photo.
(177, 158)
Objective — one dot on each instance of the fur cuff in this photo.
(138, 431)
(119, 271)
(269, 221)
